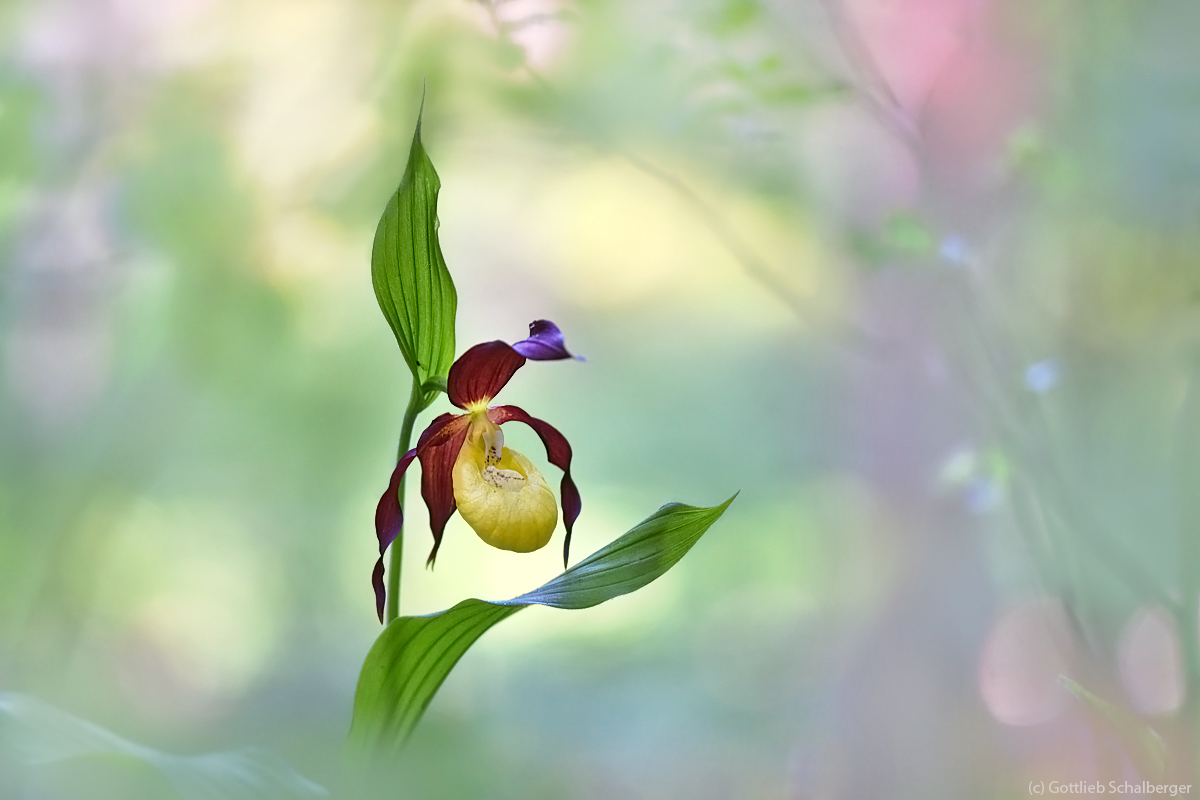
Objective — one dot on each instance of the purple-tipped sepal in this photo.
(545, 343)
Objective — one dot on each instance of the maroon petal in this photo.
(545, 342)
(443, 428)
(437, 482)
(558, 450)
(389, 516)
(389, 520)
(480, 373)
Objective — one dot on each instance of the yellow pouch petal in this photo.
(508, 504)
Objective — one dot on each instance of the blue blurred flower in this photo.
(953, 249)
(983, 495)
(1042, 376)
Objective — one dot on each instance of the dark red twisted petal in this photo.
(545, 342)
(443, 428)
(480, 373)
(437, 481)
(558, 450)
(389, 520)
(389, 516)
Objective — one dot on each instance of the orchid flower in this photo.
(466, 467)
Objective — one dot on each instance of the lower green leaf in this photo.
(412, 657)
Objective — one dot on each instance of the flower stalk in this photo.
(396, 560)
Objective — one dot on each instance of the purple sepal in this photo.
(545, 343)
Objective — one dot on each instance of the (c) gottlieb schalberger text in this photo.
(1111, 787)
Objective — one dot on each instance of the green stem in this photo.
(397, 558)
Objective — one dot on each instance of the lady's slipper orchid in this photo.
(466, 467)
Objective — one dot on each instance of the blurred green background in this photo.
(919, 277)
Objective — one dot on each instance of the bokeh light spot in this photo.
(1025, 652)
(1149, 661)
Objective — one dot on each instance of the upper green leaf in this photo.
(412, 284)
(413, 655)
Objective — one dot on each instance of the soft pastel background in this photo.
(919, 277)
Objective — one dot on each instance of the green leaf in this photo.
(413, 286)
(413, 655)
(40, 735)
(1143, 744)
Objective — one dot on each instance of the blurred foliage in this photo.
(54, 744)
